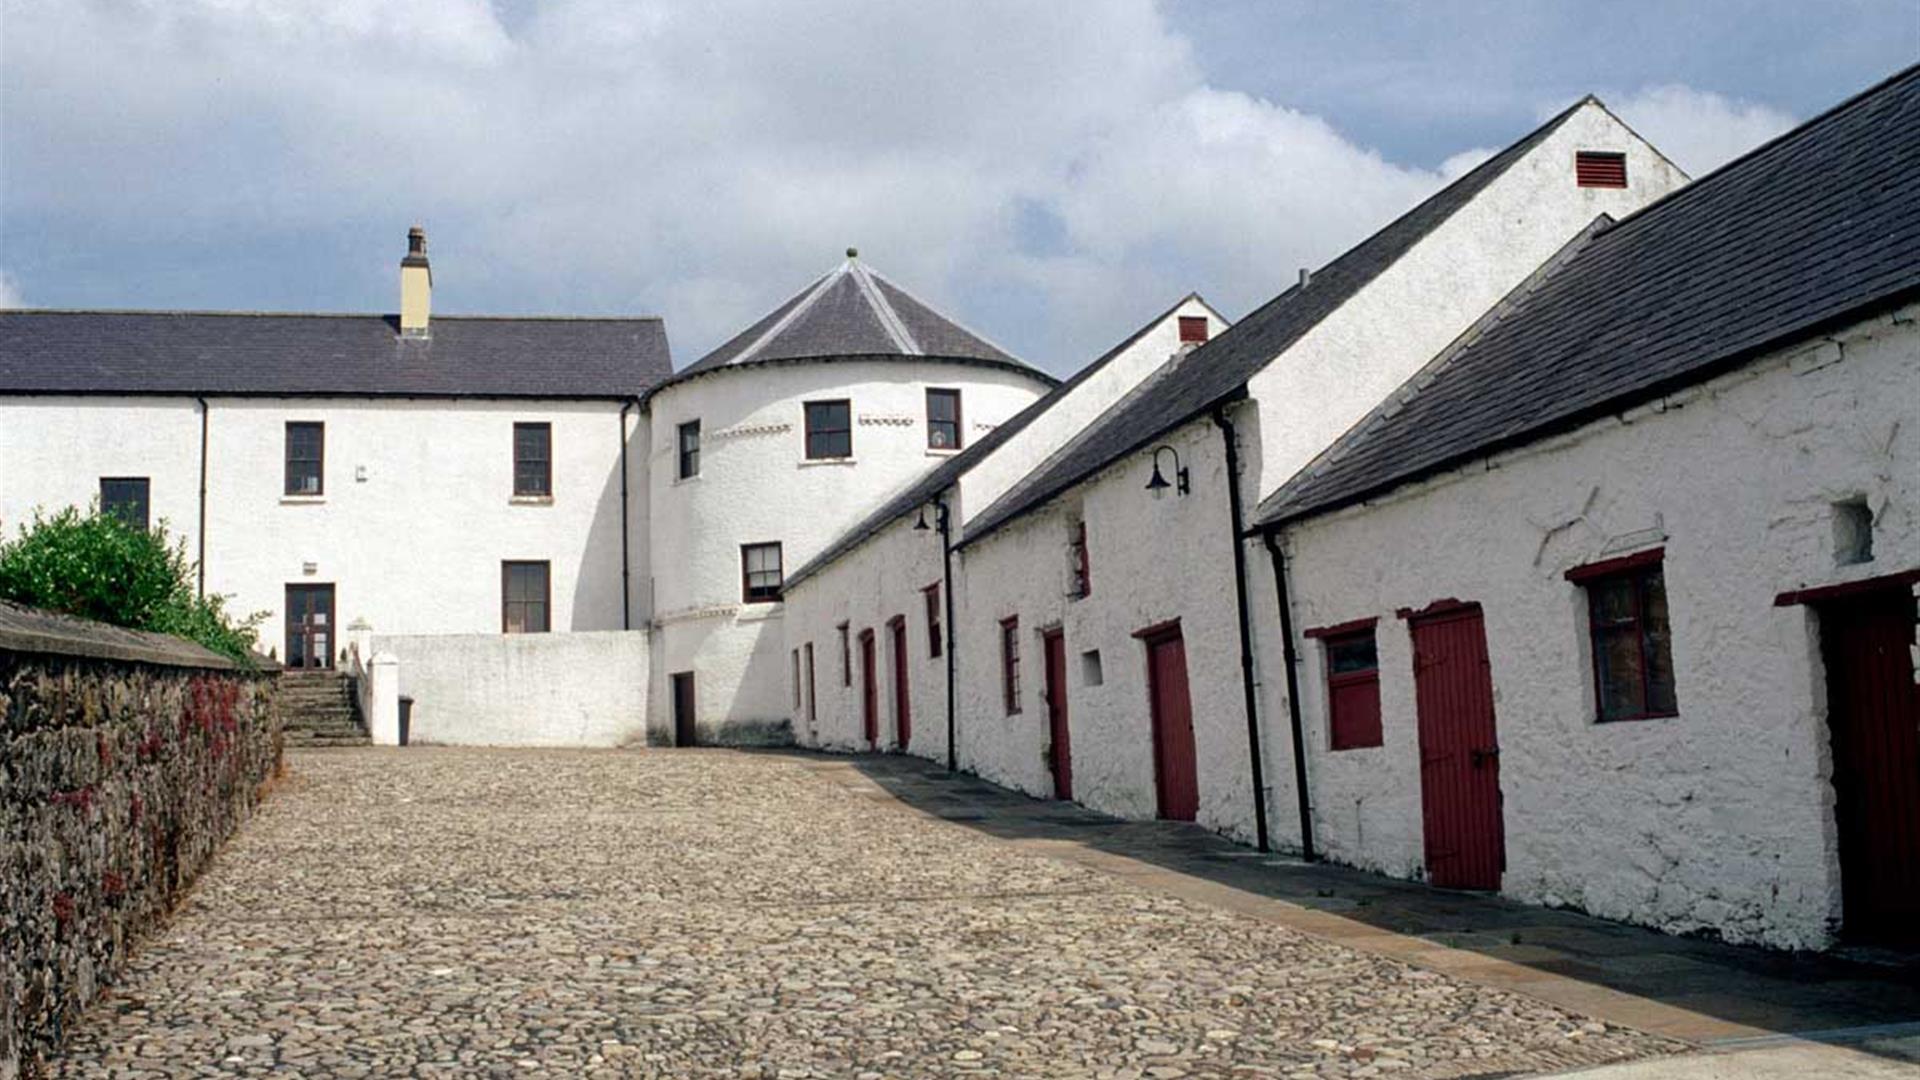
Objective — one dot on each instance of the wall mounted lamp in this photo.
(1159, 482)
(939, 517)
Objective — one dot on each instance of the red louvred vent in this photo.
(1594, 168)
(1193, 328)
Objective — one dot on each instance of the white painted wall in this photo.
(578, 689)
(54, 450)
(756, 485)
(1432, 294)
(1720, 818)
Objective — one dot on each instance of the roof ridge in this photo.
(812, 297)
(951, 321)
(890, 320)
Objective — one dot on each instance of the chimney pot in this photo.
(416, 286)
(1306, 277)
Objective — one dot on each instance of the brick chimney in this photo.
(416, 285)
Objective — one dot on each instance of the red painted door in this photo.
(869, 692)
(1459, 752)
(1873, 718)
(1176, 774)
(1061, 745)
(902, 700)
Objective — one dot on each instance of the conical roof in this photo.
(854, 312)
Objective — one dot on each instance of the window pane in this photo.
(1658, 643)
(305, 443)
(1352, 654)
(126, 498)
(1618, 655)
(689, 449)
(829, 429)
(1611, 602)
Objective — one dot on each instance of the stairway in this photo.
(320, 709)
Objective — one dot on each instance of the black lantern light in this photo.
(1159, 481)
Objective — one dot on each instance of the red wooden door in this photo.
(1873, 717)
(902, 700)
(869, 691)
(1061, 756)
(1459, 751)
(1176, 773)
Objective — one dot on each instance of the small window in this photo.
(533, 459)
(829, 429)
(1193, 329)
(126, 497)
(796, 680)
(1631, 640)
(1010, 664)
(1353, 690)
(1852, 531)
(931, 595)
(1092, 672)
(846, 657)
(1079, 572)
(813, 694)
(306, 457)
(760, 576)
(1599, 168)
(689, 445)
(943, 419)
(525, 597)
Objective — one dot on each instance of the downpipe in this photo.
(201, 559)
(1292, 662)
(626, 560)
(945, 522)
(1231, 441)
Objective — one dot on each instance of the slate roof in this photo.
(853, 312)
(235, 354)
(922, 490)
(1807, 233)
(1218, 371)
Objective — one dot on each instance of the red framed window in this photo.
(1010, 664)
(829, 429)
(1631, 638)
(1353, 684)
(931, 595)
(1080, 573)
(1193, 329)
(1600, 168)
(846, 656)
(943, 419)
(760, 574)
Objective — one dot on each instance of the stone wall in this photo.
(126, 759)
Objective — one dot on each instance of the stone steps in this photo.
(320, 710)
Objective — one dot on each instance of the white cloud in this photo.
(698, 161)
(1700, 130)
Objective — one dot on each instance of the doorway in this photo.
(310, 626)
(1873, 720)
(1176, 770)
(902, 698)
(1460, 800)
(683, 711)
(1060, 752)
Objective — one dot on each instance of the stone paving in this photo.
(441, 912)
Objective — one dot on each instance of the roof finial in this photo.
(853, 253)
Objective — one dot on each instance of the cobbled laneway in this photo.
(441, 912)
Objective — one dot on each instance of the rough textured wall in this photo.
(118, 781)
(581, 689)
(1720, 818)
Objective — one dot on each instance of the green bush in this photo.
(97, 566)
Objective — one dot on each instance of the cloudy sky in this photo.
(1050, 173)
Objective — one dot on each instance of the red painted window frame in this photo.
(1632, 568)
(931, 595)
(1010, 664)
(1361, 729)
(1193, 329)
(1596, 168)
(959, 429)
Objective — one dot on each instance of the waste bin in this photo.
(406, 717)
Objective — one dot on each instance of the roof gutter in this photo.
(1230, 440)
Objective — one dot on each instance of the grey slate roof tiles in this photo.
(1807, 232)
(1218, 371)
(219, 353)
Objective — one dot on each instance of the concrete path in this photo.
(436, 912)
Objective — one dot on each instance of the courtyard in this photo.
(443, 912)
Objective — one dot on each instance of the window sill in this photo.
(934, 451)
(810, 463)
(678, 480)
(1604, 720)
(301, 500)
(531, 500)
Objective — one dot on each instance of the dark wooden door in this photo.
(1459, 751)
(902, 699)
(1873, 718)
(1060, 744)
(310, 635)
(869, 691)
(1176, 772)
(683, 714)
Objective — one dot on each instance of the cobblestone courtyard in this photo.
(710, 913)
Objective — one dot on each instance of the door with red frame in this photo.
(902, 697)
(1176, 772)
(1873, 719)
(1459, 750)
(1060, 743)
(869, 692)
(310, 626)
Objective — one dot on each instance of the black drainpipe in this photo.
(1228, 438)
(626, 588)
(201, 559)
(1293, 694)
(941, 518)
